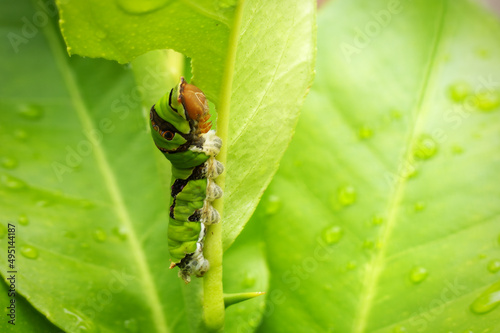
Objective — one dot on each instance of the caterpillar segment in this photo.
(181, 130)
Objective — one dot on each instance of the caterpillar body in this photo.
(182, 132)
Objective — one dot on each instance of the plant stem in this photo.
(213, 303)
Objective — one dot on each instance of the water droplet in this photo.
(101, 34)
(457, 150)
(68, 49)
(396, 114)
(351, 265)
(347, 195)
(248, 281)
(20, 135)
(377, 220)
(365, 132)
(141, 7)
(418, 274)
(43, 203)
(100, 235)
(459, 91)
(368, 244)
(482, 256)
(9, 163)
(23, 219)
(31, 111)
(131, 325)
(494, 266)
(399, 329)
(488, 100)
(120, 232)
(483, 53)
(12, 182)
(488, 300)
(425, 147)
(273, 205)
(85, 245)
(70, 234)
(29, 252)
(332, 234)
(419, 206)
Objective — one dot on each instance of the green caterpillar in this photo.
(181, 131)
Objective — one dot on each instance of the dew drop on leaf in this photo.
(418, 274)
(140, 7)
(368, 244)
(9, 163)
(131, 325)
(248, 281)
(272, 205)
(377, 220)
(120, 232)
(29, 252)
(365, 132)
(488, 100)
(43, 203)
(457, 150)
(351, 265)
(483, 53)
(101, 34)
(494, 266)
(396, 114)
(12, 182)
(31, 111)
(399, 329)
(20, 135)
(347, 195)
(332, 234)
(99, 235)
(23, 219)
(459, 91)
(70, 234)
(487, 300)
(419, 206)
(425, 147)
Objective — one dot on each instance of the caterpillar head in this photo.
(180, 117)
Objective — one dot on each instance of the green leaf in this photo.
(121, 30)
(23, 316)
(384, 214)
(79, 181)
(80, 177)
(262, 84)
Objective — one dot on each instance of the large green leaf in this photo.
(384, 215)
(259, 55)
(81, 179)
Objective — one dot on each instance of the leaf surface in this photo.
(266, 81)
(81, 179)
(384, 215)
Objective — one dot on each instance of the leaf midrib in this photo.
(375, 267)
(148, 286)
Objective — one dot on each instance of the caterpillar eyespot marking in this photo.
(181, 130)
